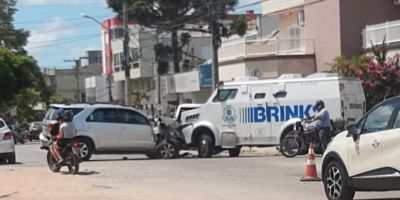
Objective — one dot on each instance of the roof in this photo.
(274, 6)
(286, 80)
(82, 105)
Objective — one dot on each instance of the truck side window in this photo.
(225, 94)
(259, 96)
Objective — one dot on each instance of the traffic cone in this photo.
(310, 173)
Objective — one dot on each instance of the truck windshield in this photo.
(225, 94)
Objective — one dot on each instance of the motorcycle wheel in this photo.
(52, 163)
(73, 166)
(290, 146)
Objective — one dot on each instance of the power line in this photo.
(61, 43)
(60, 5)
(67, 38)
(52, 20)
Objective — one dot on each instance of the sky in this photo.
(58, 32)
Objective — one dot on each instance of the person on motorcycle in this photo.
(324, 124)
(66, 134)
(55, 130)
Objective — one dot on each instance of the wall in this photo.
(304, 65)
(356, 14)
(322, 23)
(267, 67)
(231, 71)
(286, 20)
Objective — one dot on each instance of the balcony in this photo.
(377, 33)
(242, 48)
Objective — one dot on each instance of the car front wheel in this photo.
(336, 183)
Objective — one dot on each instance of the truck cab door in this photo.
(260, 129)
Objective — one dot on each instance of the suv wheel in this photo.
(235, 152)
(11, 159)
(336, 183)
(86, 149)
(205, 146)
(168, 150)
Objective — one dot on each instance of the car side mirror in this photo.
(353, 131)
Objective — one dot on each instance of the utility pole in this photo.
(126, 54)
(76, 73)
(109, 76)
(215, 46)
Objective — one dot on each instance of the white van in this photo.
(260, 113)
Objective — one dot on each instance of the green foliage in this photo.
(56, 99)
(10, 37)
(239, 25)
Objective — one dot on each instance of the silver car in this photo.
(7, 148)
(109, 129)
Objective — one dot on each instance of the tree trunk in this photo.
(175, 50)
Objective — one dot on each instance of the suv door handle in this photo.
(376, 144)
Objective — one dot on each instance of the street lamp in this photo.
(109, 76)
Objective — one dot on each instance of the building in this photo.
(70, 83)
(377, 33)
(325, 29)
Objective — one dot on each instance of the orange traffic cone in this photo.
(310, 173)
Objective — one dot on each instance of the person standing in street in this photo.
(325, 125)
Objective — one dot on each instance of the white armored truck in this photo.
(261, 112)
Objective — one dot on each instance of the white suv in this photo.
(7, 148)
(104, 128)
(366, 157)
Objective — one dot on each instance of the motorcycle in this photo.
(297, 141)
(169, 138)
(70, 155)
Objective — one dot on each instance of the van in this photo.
(260, 113)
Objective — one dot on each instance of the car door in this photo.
(136, 134)
(104, 125)
(364, 154)
(391, 147)
(260, 130)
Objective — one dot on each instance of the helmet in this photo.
(60, 114)
(320, 105)
(68, 116)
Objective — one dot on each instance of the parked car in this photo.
(366, 156)
(35, 128)
(104, 128)
(7, 148)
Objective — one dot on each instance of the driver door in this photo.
(365, 153)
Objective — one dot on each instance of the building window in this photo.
(117, 33)
(301, 19)
(133, 55)
(294, 37)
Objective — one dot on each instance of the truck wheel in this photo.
(235, 152)
(205, 146)
(86, 150)
(11, 159)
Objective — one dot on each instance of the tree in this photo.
(379, 74)
(11, 38)
(174, 15)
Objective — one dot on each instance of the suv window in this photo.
(2, 124)
(109, 115)
(52, 114)
(132, 117)
(378, 119)
(396, 123)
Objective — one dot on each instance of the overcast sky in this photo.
(59, 32)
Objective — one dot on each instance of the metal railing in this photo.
(377, 33)
(253, 48)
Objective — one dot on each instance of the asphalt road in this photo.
(112, 177)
